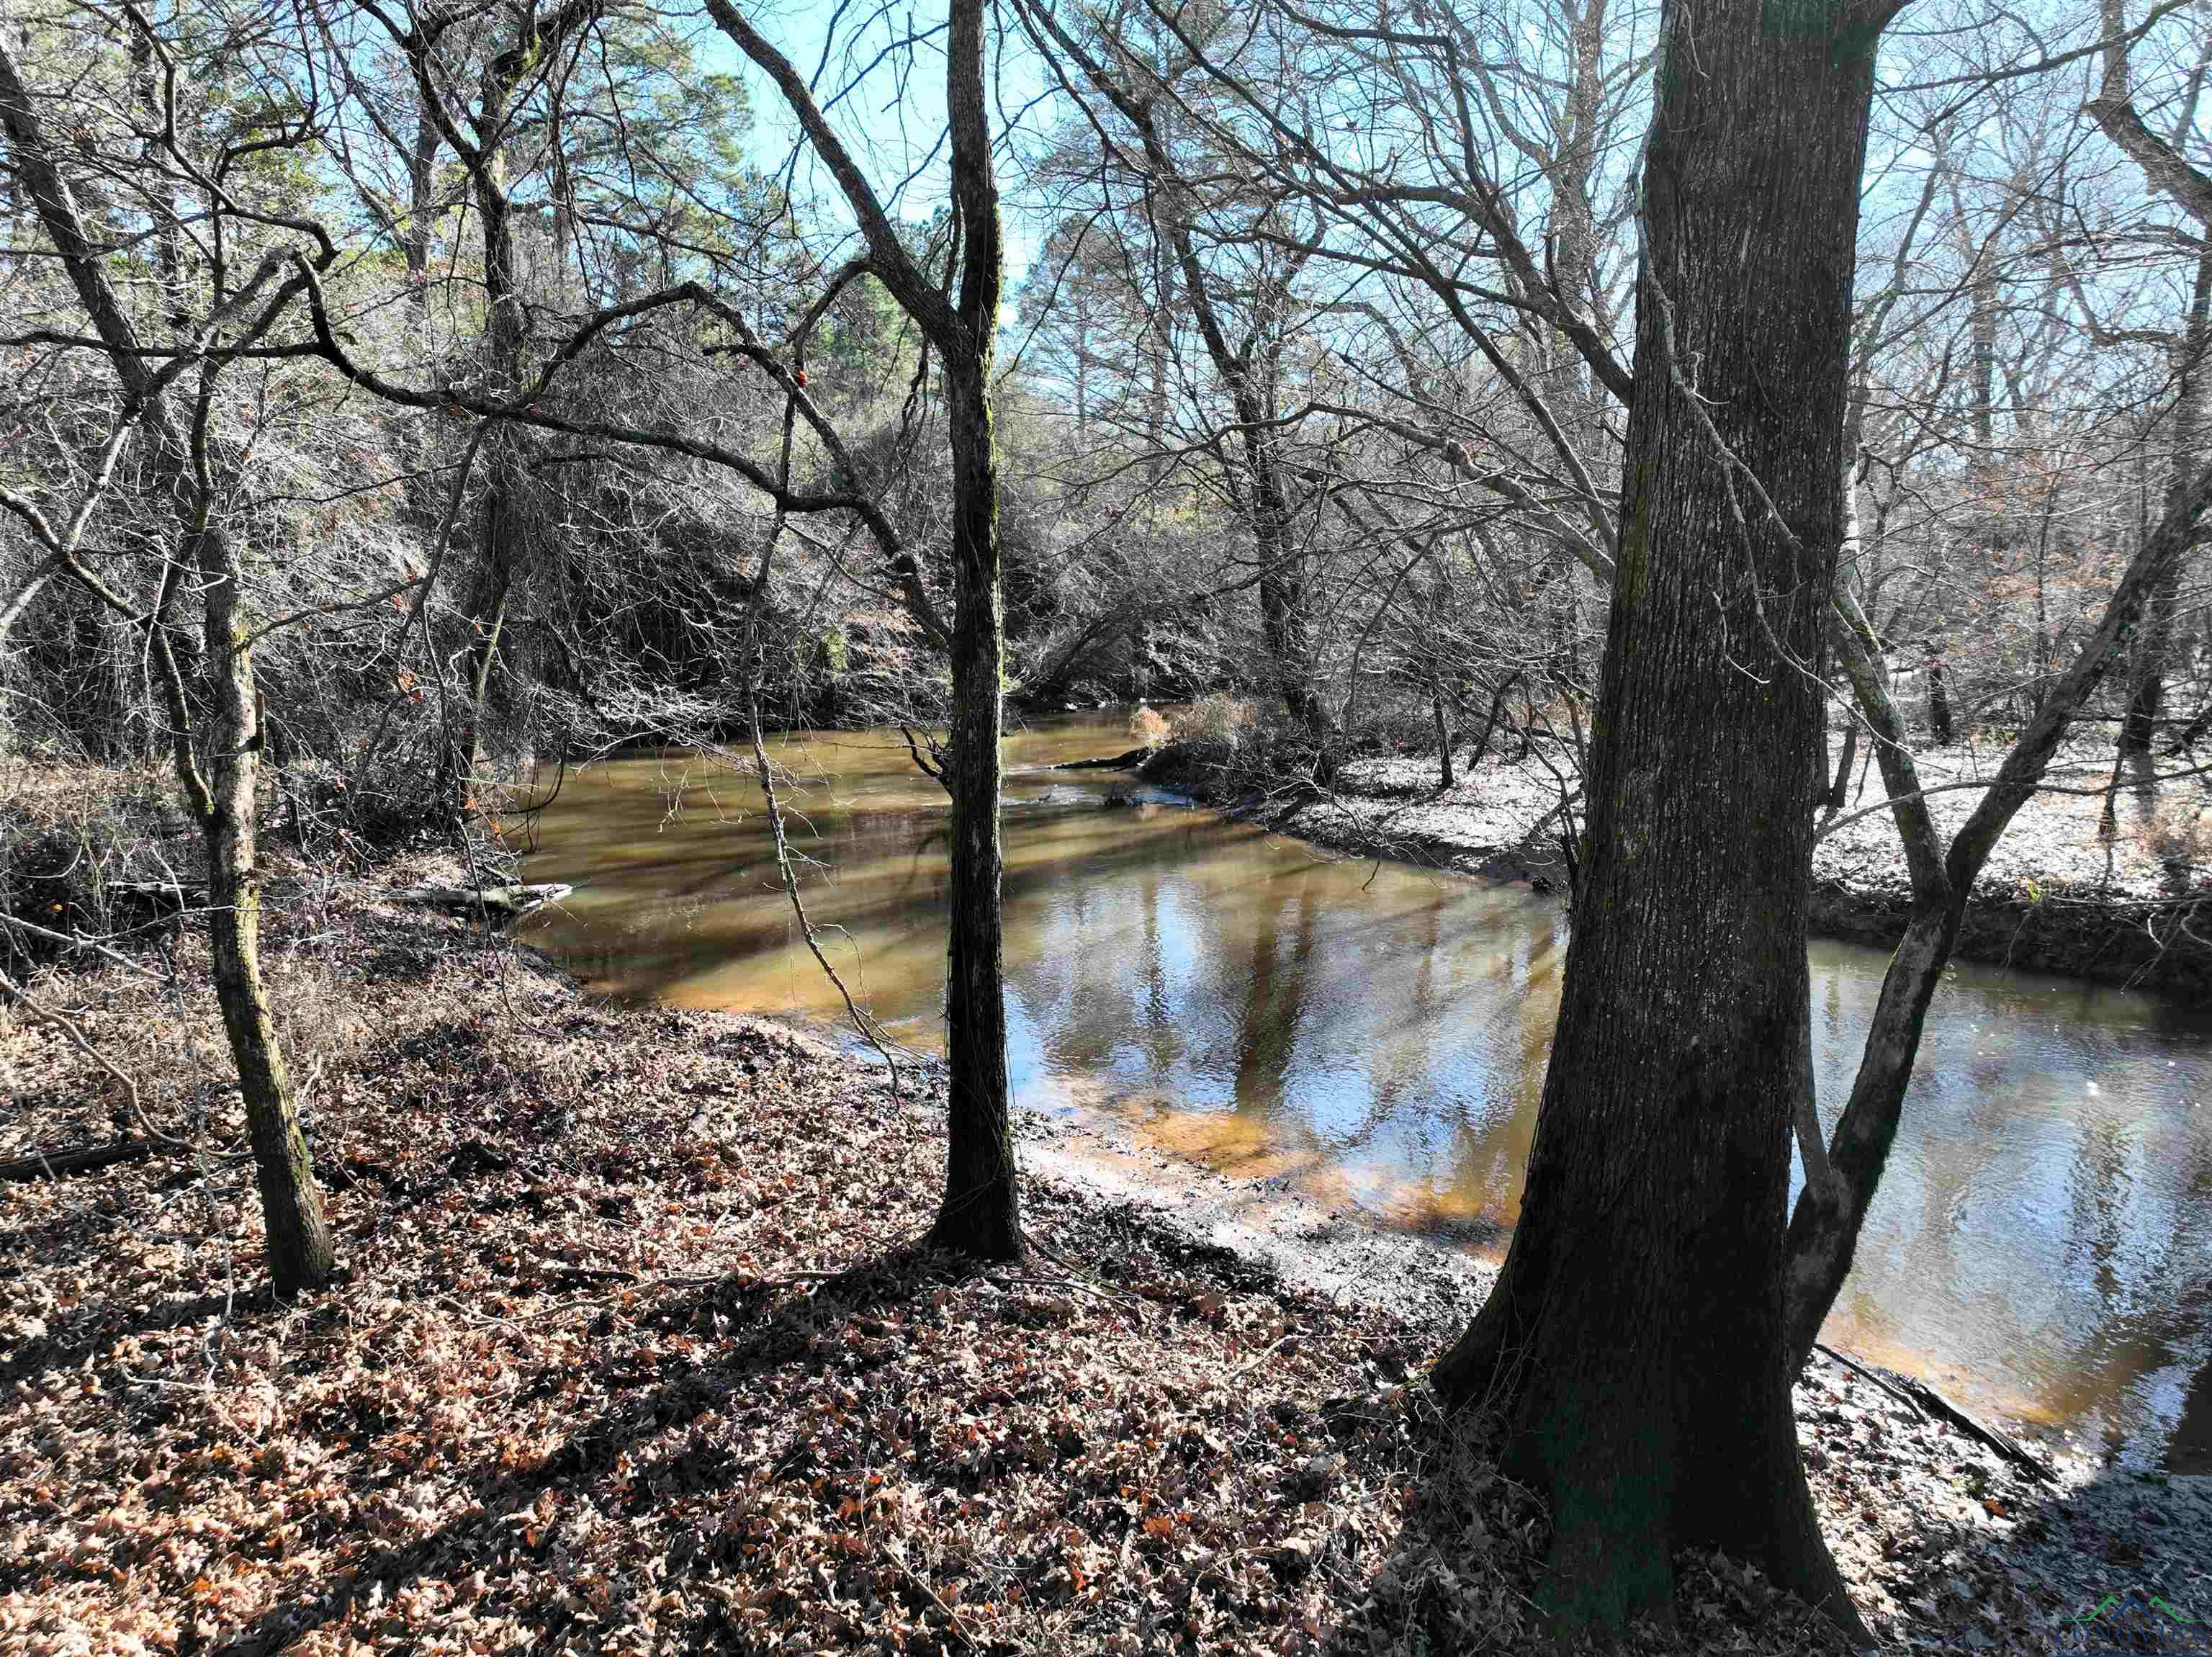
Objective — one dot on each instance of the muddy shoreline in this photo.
(2155, 944)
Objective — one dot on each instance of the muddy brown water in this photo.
(1376, 1034)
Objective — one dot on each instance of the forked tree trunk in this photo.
(1824, 1229)
(223, 801)
(1635, 1341)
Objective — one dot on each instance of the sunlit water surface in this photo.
(1377, 1033)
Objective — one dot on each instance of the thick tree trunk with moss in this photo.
(1635, 1342)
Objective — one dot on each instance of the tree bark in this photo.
(300, 1255)
(1840, 790)
(421, 204)
(222, 800)
(2154, 642)
(1635, 1342)
(1252, 375)
(980, 1215)
(1940, 727)
(500, 521)
(1444, 778)
(1286, 623)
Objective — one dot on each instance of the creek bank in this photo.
(505, 902)
(2055, 897)
(2142, 944)
(635, 1354)
(634, 1351)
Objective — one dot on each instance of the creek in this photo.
(1376, 1034)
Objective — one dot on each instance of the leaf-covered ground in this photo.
(635, 1354)
(2161, 837)
(2058, 894)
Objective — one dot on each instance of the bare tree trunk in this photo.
(1825, 1225)
(1982, 328)
(168, 236)
(1251, 375)
(1939, 699)
(421, 204)
(300, 1253)
(980, 1215)
(2155, 644)
(1444, 778)
(1162, 331)
(500, 524)
(1490, 720)
(1286, 625)
(1635, 1341)
(981, 1212)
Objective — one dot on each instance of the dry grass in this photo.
(1149, 729)
(1215, 727)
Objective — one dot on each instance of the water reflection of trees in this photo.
(2027, 1228)
(2047, 1224)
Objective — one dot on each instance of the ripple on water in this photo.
(1377, 1035)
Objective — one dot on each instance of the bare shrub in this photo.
(2178, 836)
(81, 847)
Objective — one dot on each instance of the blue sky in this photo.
(895, 122)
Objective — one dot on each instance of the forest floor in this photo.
(2056, 895)
(636, 1352)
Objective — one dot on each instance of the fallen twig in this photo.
(1924, 1401)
